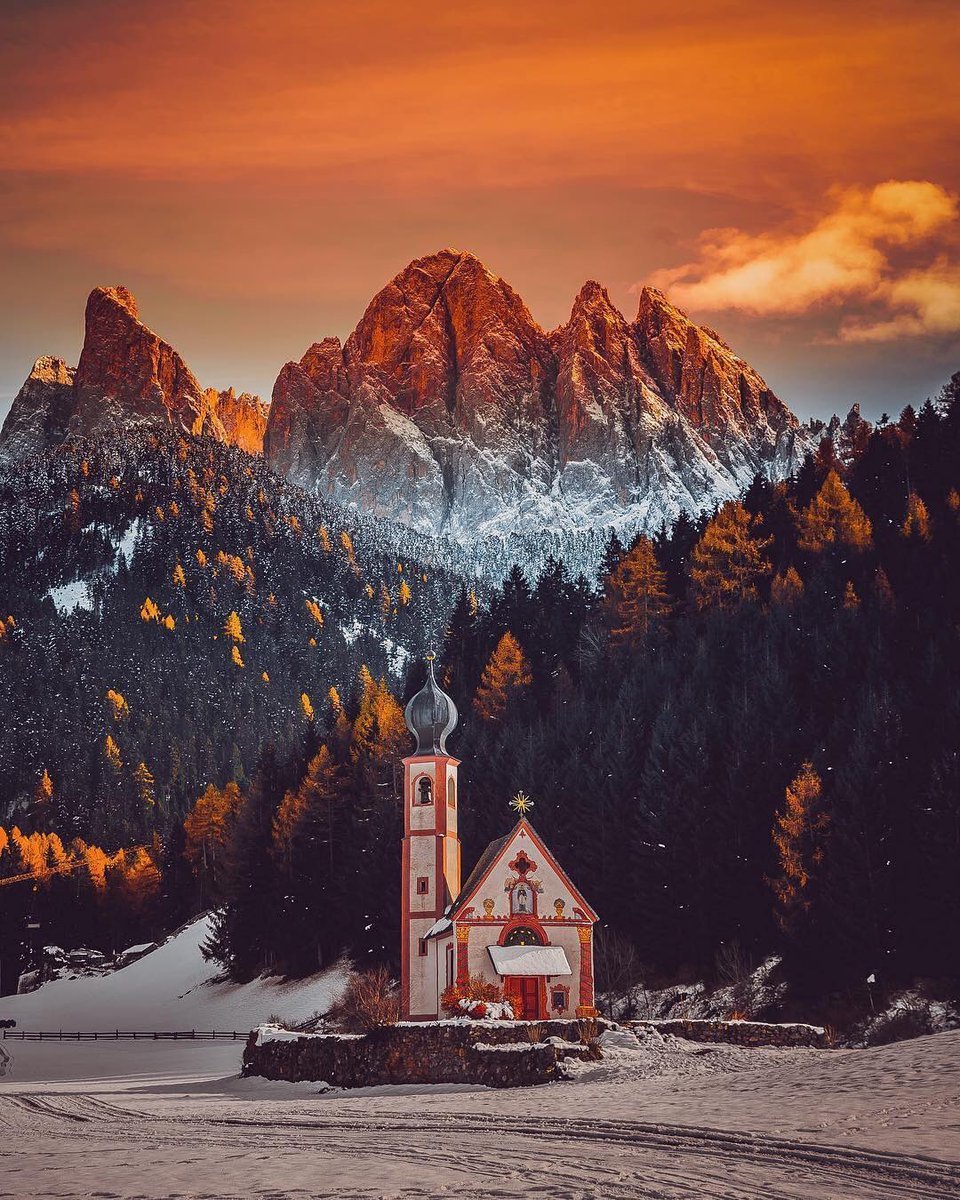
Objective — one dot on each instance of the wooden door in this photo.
(528, 993)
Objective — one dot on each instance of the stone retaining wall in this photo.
(495, 1054)
(737, 1033)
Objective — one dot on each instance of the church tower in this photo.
(431, 847)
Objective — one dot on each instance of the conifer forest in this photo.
(741, 736)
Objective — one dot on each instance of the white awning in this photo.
(529, 960)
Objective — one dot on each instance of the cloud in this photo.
(858, 254)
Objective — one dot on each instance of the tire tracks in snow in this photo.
(606, 1154)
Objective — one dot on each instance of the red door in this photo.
(528, 994)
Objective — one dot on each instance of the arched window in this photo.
(424, 790)
(523, 935)
(451, 793)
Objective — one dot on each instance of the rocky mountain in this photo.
(127, 378)
(450, 409)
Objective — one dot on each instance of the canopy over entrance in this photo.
(529, 960)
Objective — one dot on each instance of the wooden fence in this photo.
(121, 1035)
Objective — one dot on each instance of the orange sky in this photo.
(255, 172)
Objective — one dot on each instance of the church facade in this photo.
(518, 921)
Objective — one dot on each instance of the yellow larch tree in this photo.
(916, 525)
(179, 579)
(111, 752)
(729, 561)
(208, 826)
(786, 589)
(233, 629)
(798, 836)
(316, 790)
(636, 597)
(145, 783)
(236, 656)
(43, 793)
(834, 519)
(506, 676)
(379, 730)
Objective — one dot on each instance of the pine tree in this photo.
(243, 936)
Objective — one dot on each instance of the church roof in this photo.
(490, 856)
(484, 863)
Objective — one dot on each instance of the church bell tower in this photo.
(431, 846)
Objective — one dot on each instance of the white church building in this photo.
(518, 921)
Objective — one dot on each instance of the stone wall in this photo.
(495, 1054)
(737, 1033)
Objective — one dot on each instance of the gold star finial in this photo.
(521, 803)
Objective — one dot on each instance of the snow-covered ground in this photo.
(657, 1117)
(163, 1120)
(172, 988)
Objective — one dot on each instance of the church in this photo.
(518, 921)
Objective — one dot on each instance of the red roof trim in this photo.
(523, 825)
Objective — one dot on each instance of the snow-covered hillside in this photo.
(172, 988)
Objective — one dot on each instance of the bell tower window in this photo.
(424, 790)
(451, 792)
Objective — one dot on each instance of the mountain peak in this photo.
(450, 409)
(593, 297)
(117, 295)
(127, 378)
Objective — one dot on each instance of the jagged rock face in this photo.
(127, 375)
(127, 378)
(41, 410)
(238, 420)
(450, 409)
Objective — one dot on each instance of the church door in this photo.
(528, 994)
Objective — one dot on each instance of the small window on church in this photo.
(423, 885)
(425, 790)
(451, 793)
(422, 948)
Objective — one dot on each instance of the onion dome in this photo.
(431, 716)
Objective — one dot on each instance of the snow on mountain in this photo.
(449, 409)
